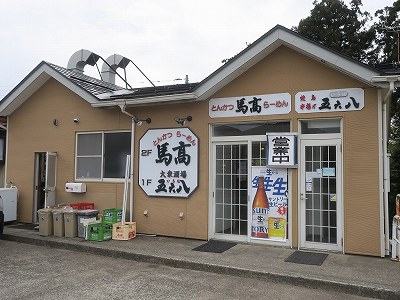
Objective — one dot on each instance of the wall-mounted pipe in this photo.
(386, 171)
(122, 107)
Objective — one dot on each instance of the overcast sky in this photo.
(166, 39)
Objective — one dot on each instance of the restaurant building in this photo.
(308, 121)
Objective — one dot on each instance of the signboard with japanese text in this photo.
(276, 190)
(246, 106)
(168, 162)
(330, 100)
(282, 149)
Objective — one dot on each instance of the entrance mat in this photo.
(215, 246)
(24, 226)
(307, 258)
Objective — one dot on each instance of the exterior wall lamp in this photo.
(181, 121)
(139, 122)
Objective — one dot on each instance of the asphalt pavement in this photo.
(366, 276)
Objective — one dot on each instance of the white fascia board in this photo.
(332, 59)
(238, 66)
(147, 100)
(270, 43)
(18, 96)
(384, 81)
(32, 83)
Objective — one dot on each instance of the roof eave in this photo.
(268, 43)
(33, 82)
(383, 81)
(165, 99)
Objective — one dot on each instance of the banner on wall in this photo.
(269, 196)
(247, 106)
(351, 99)
(168, 162)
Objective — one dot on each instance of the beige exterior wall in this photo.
(283, 71)
(286, 71)
(31, 130)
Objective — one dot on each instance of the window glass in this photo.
(89, 144)
(243, 129)
(88, 167)
(116, 147)
(259, 155)
(320, 126)
(102, 155)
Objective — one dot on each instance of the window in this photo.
(244, 129)
(321, 126)
(102, 155)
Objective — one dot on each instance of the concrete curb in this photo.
(315, 283)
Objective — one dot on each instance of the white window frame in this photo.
(101, 179)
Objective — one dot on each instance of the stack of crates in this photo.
(82, 205)
(112, 215)
(99, 232)
(102, 231)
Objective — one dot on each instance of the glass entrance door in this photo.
(320, 194)
(231, 190)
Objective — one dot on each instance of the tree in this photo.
(387, 51)
(345, 30)
(340, 28)
(387, 33)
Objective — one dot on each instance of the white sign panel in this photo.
(330, 100)
(258, 105)
(282, 149)
(168, 162)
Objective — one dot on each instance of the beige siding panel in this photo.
(361, 180)
(166, 209)
(50, 102)
(283, 71)
(288, 71)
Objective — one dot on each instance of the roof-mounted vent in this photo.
(80, 59)
(110, 66)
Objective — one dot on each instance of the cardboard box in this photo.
(124, 232)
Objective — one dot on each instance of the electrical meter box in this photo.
(75, 187)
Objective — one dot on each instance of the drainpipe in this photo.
(6, 154)
(122, 107)
(386, 180)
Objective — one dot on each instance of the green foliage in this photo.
(350, 31)
(386, 40)
(335, 25)
(386, 35)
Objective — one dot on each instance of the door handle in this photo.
(302, 197)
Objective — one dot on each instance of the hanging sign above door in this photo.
(282, 149)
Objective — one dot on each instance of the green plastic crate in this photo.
(112, 215)
(99, 232)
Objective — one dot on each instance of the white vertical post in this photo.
(127, 173)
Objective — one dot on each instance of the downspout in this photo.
(122, 107)
(6, 155)
(386, 170)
